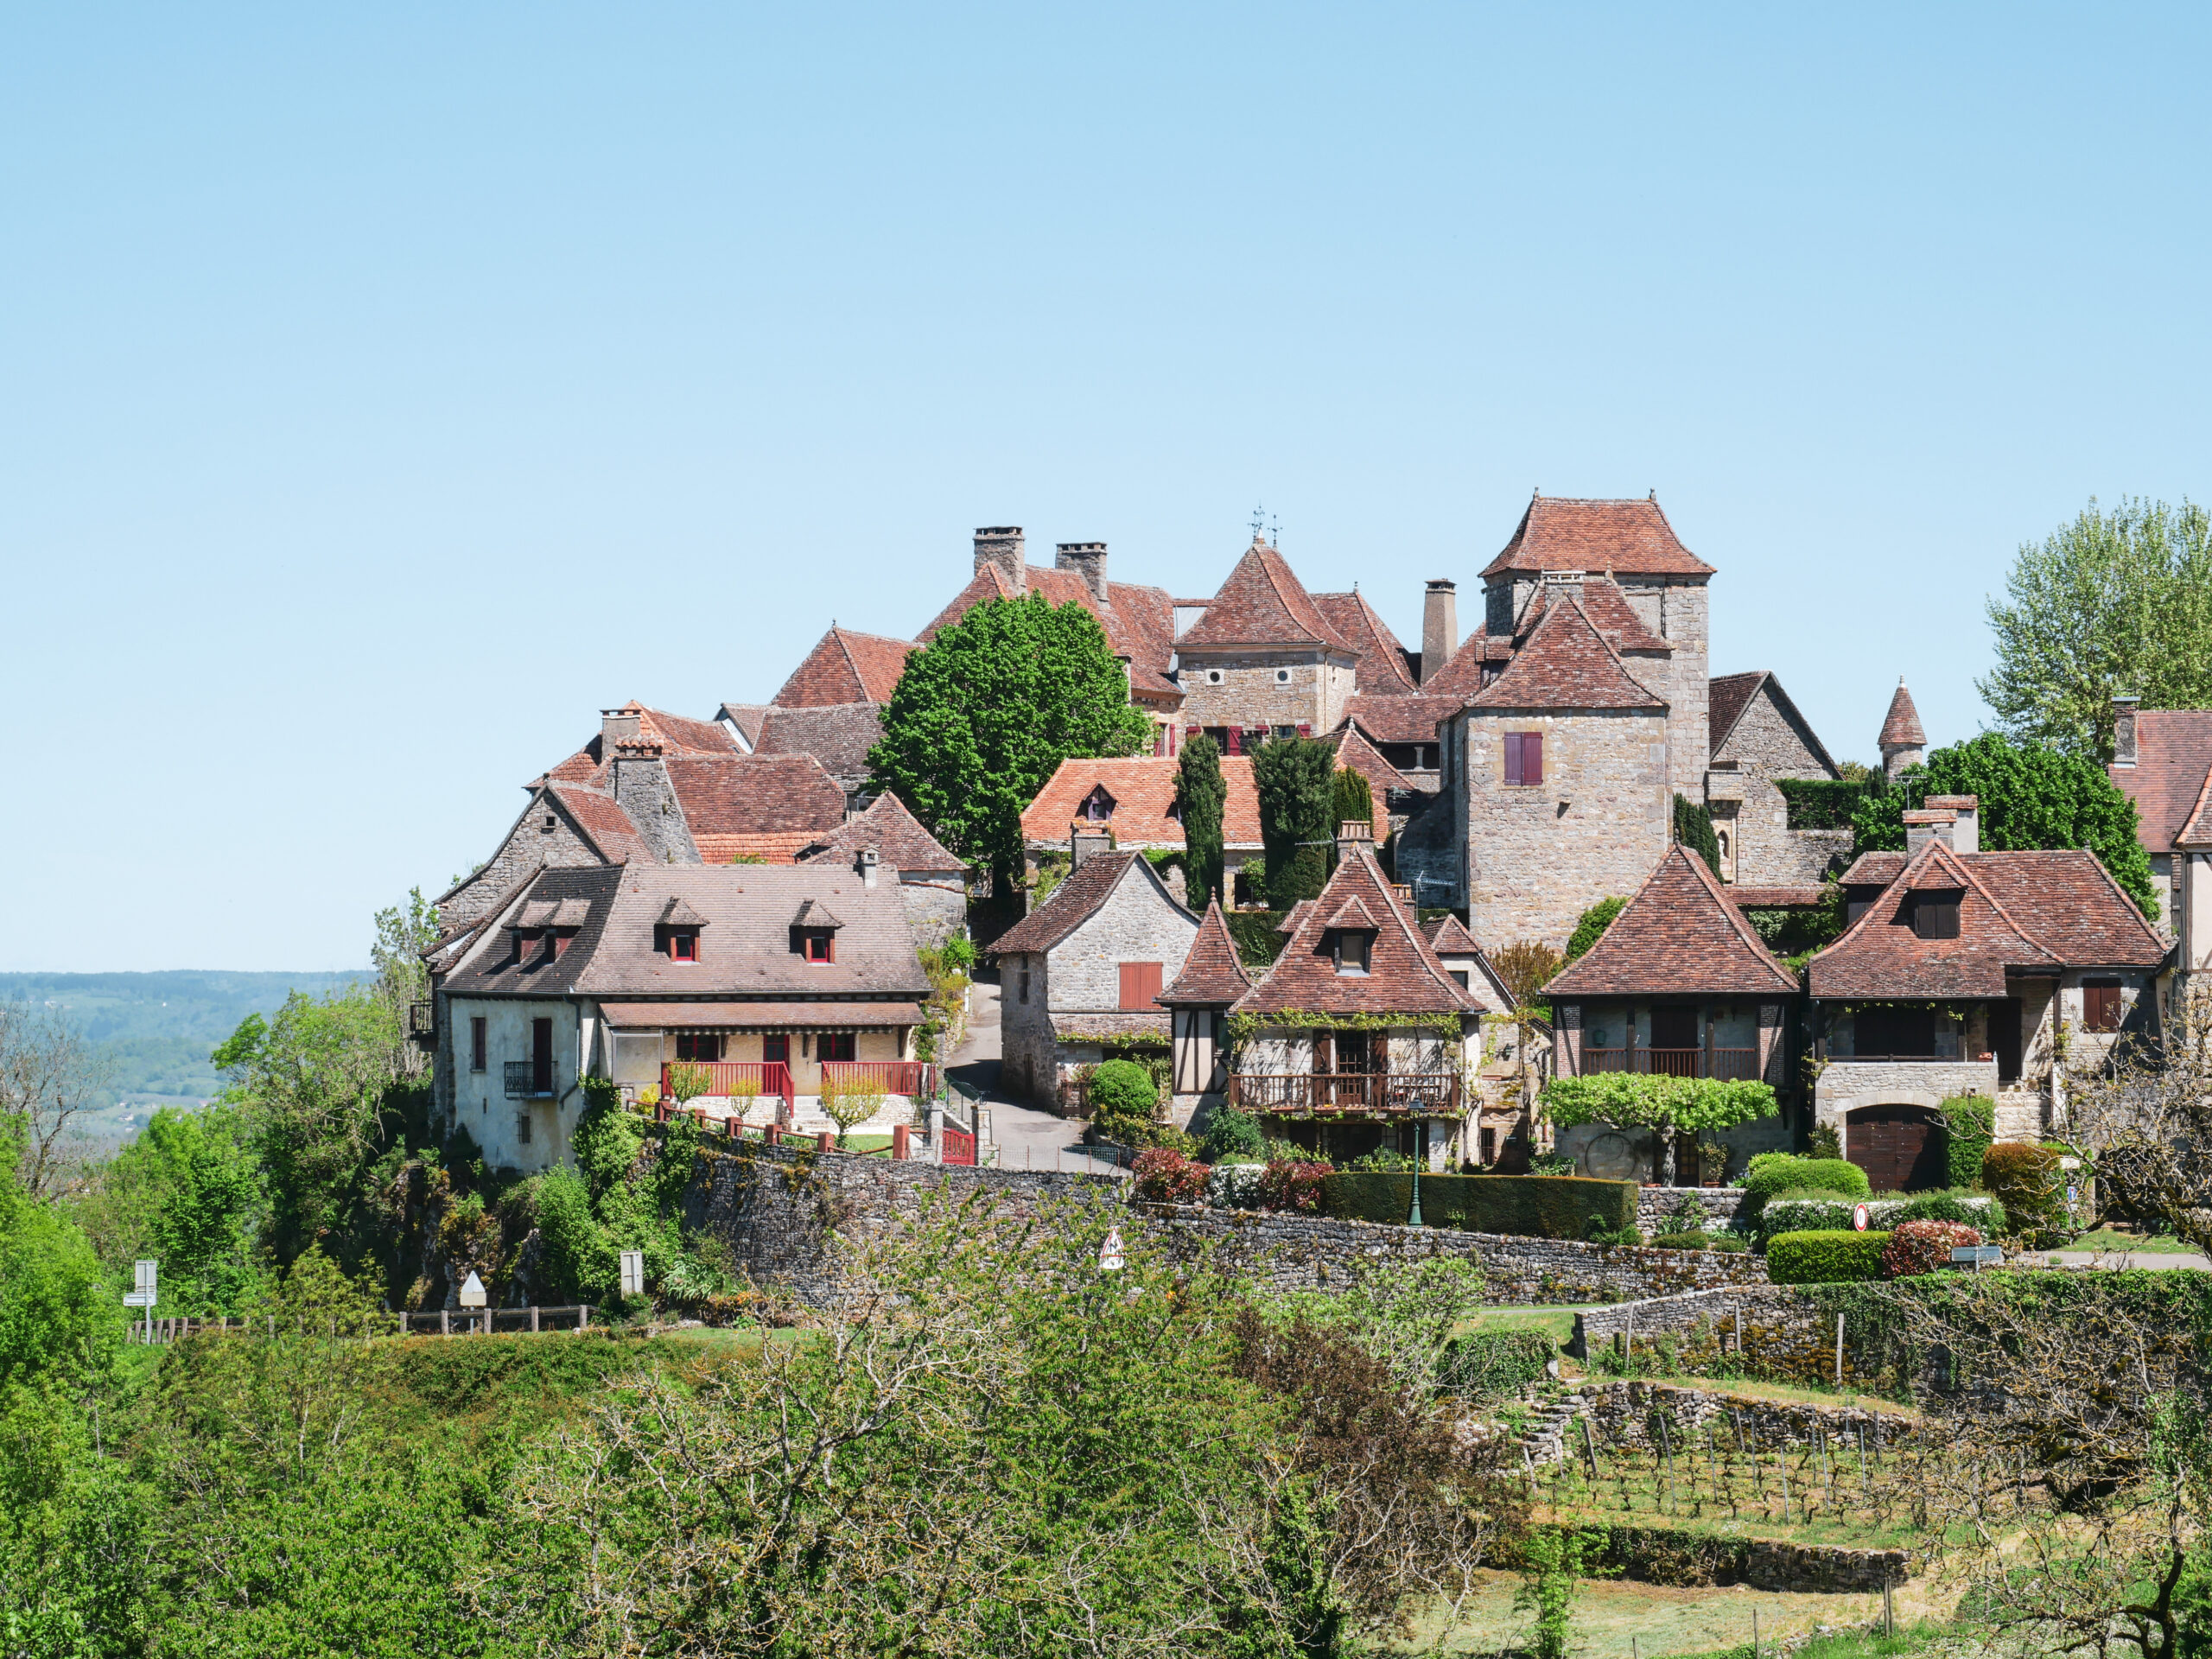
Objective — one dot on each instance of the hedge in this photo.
(1789, 1214)
(1970, 1124)
(1491, 1365)
(1821, 803)
(1825, 1258)
(1773, 1173)
(1258, 944)
(1528, 1206)
(2025, 1177)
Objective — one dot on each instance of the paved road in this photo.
(1027, 1138)
(2131, 1259)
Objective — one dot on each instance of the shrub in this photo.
(1294, 1187)
(1682, 1242)
(1231, 1134)
(1259, 941)
(1917, 1247)
(1235, 1186)
(1165, 1176)
(1727, 1243)
(2025, 1179)
(1591, 925)
(1969, 1124)
(1985, 1215)
(1828, 1258)
(1528, 1206)
(1827, 1142)
(1597, 1232)
(1772, 1174)
(1492, 1365)
(1124, 1101)
(1382, 1160)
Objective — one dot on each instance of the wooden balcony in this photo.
(888, 1076)
(731, 1079)
(1366, 1094)
(1729, 1065)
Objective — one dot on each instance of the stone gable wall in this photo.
(529, 847)
(1250, 693)
(1137, 923)
(643, 789)
(1766, 744)
(1026, 1038)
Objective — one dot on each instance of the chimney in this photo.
(1001, 545)
(1439, 627)
(1351, 835)
(868, 863)
(616, 725)
(1087, 557)
(1087, 841)
(1932, 824)
(1966, 829)
(2123, 727)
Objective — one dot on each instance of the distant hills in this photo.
(160, 1028)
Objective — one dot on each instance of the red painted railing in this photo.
(959, 1145)
(892, 1076)
(730, 1079)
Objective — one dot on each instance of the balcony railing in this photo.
(891, 1076)
(526, 1078)
(1733, 1064)
(731, 1079)
(1398, 1093)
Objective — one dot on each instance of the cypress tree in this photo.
(1200, 795)
(1292, 776)
(1694, 829)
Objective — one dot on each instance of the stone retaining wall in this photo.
(1622, 1412)
(1664, 1555)
(1776, 1330)
(1655, 1206)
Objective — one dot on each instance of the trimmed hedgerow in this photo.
(1827, 1258)
(1530, 1206)
(1774, 1173)
(2025, 1177)
(1969, 1125)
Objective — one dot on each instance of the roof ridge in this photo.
(1936, 850)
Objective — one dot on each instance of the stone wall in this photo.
(1846, 1085)
(936, 906)
(643, 789)
(1287, 1252)
(529, 847)
(1624, 1413)
(1778, 1331)
(1290, 687)
(1138, 923)
(1682, 1557)
(1655, 1206)
(1767, 744)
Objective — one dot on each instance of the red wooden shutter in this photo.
(1532, 757)
(1148, 983)
(1132, 986)
(1513, 757)
(1305, 729)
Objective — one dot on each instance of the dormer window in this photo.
(1936, 913)
(814, 932)
(1355, 950)
(562, 938)
(526, 945)
(1098, 806)
(675, 935)
(682, 944)
(818, 944)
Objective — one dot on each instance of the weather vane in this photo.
(1259, 521)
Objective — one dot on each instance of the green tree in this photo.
(1292, 777)
(2031, 796)
(2114, 601)
(987, 711)
(60, 1318)
(1352, 801)
(403, 932)
(1693, 829)
(1200, 798)
(188, 1191)
(1590, 926)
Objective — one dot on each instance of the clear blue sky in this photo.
(388, 389)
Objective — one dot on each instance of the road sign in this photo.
(633, 1272)
(138, 1299)
(1860, 1217)
(472, 1290)
(143, 1272)
(1109, 1253)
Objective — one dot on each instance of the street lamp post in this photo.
(1421, 1157)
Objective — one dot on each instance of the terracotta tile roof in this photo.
(1403, 975)
(1074, 902)
(1212, 972)
(1681, 933)
(2069, 902)
(788, 799)
(1873, 870)
(1565, 664)
(778, 847)
(758, 1016)
(746, 717)
(1453, 942)
(1448, 938)
(988, 583)
(897, 836)
(1880, 956)
(1394, 719)
(838, 734)
(1144, 792)
(1903, 724)
(1462, 678)
(682, 732)
(1139, 622)
(1727, 697)
(1779, 897)
(1106, 1027)
(1355, 752)
(846, 667)
(1263, 603)
(2173, 748)
(605, 825)
(1608, 613)
(1564, 533)
(2197, 832)
(582, 767)
(1381, 667)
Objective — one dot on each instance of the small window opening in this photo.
(833, 1046)
(683, 944)
(1936, 915)
(1354, 946)
(698, 1046)
(522, 1126)
(818, 945)
(476, 1043)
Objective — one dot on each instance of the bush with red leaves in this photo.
(1917, 1247)
(1165, 1176)
(1292, 1185)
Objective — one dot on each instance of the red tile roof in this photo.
(1356, 753)
(1902, 726)
(1074, 902)
(1143, 791)
(1778, 898)
(1608, 611)
(897, 836)
(1139, 622)
(1462, 677)
(846, 667)
(1212, 972)
(2167, 783)
(1394, 719)
(1727, 697)
(1381, 667)
(582, 767)
(2069, 902)
(1263, 603)
(1681, 933)
(1873, 870)
(1403, 975)
(1563, 533)
(838, 734)
(1881, 956)
(765, 805)
(1565, 664)
(605, 825)
(1448, 938)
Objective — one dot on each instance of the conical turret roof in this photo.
(1902, 730)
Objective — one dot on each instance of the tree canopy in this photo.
(987, 711)
(1591, 925)
(1294, 777)
(2031, 798)
(1201, 795)
(2116, 601)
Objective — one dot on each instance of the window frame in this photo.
(680, 937)
(1935, 918)
(810, 936)
(1520, 748)
(1346, 966)
(479, 1042)
(847, 1042)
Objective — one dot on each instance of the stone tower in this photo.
(1903, 744)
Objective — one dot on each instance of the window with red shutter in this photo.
(1140, 984)
(1532, 757)
(1512, 757)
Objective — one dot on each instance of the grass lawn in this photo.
(2106, 1240)
(1793, 1393)
(1557, 1323)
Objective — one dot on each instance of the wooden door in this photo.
(1900, 1148)
(540, 1057)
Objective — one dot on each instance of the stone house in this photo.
(1262, 660)
(1758, 737)
(1131, 803)
(1964, 972)
(1680, 985)
(2162, 760)
(932, 881)
(1358, 1039)
(1080, 976)
(1212, 979)
(765, 978)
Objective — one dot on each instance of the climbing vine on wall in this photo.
(1637, 1100)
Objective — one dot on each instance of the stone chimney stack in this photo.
(1089, 560)
(1001, 544)
(869, 863)
(1351, 835)
(2124, 705)
(616, 725)
(1439, 627)
(1086, 842)
(1930, 823)
(1965, 834)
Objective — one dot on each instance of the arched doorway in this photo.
(1900, 1148)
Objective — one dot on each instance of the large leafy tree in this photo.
(2031, 796)
(1295, 779)
(2113, 602)
(1200, 797)
(987, 711)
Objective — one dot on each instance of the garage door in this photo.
(1900, 1148)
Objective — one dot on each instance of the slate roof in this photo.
(759, 805)
(745, 937)
(1565, 664)
(1213, 974)
(1143, 789)
(846, 667)
(1404, 975)
(2034, 913)
(838, 734)
(1566, 533)
(897, 836)
(1354, 751)
(1263, 603)
(1074, 902)
(1396, 719)
(1730, 695)
(1681, 933)
(603, 824)
(1902, 726)
(1381, 668)
(2168, 782)
(1105, 1027)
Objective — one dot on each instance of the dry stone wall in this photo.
(1778, 1331)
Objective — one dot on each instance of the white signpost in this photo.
(472, 1290)
(145, 1291)
(633, 1272)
